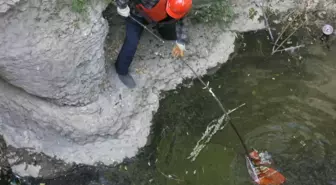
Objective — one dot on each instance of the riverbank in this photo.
(226, 42)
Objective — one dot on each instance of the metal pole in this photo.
(159, 38)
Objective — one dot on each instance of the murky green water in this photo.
(290, 112)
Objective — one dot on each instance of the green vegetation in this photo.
(218, 11)
(252, 13)
(79, 5)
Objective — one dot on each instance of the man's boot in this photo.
(127, 80)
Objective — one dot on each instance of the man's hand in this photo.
(178, 50)
(124, 12)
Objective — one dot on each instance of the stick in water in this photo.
(220, 105)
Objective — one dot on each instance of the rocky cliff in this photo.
(54, 96)
(50, 52)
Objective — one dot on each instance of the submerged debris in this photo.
(213, 127)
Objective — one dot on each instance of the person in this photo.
(166, 16)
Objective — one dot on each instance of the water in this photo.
(290, 112)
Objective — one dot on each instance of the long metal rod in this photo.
(150, 31)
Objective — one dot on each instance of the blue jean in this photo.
(133, 34)
(127, 52)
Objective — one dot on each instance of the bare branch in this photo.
(282, 32)
(281, 44)
(261, 5)
(292, 48)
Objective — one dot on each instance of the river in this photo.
(290, 110)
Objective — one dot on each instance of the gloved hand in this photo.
(125, 12)
(178, 50)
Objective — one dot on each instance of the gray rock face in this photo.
(50, 52)
(118, 123)
(4, 165)
(7, 4)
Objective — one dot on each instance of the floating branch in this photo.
(292, 48)
(207, 135)
(212, 129)
(274, 50)
(209, 132)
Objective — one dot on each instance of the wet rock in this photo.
(4, 165)
(25, 162)
(3, 150)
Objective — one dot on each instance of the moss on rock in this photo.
(217, 11)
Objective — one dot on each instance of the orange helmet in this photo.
(178, 8)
